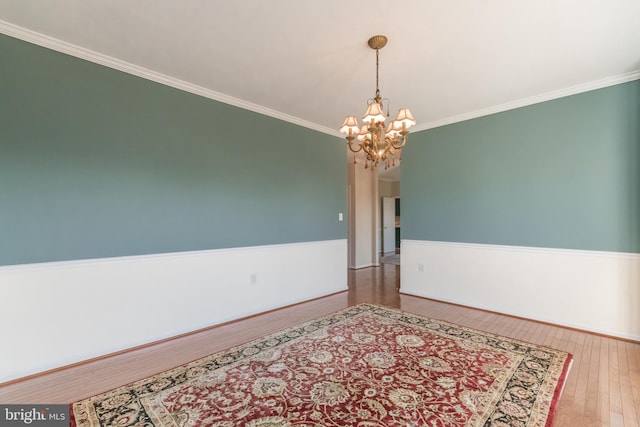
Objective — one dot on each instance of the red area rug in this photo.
(363, 366)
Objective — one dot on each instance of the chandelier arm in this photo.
(349, 144)
(399, 146)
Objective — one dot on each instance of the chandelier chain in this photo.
(377, 72)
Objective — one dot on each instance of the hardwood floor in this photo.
(603, 387)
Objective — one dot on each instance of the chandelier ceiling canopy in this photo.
(379, 142)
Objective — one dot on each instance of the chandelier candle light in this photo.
(380, 143)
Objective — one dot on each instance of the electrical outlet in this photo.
(421, 268)
(254, 278)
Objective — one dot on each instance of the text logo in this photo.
(34, 415)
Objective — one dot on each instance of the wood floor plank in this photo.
(591, 407)
(567, 413)
(633, 351)
(615, 393)
(629, 412)
(603, 383)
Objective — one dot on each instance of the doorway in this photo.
(389, 227)
(366, 191)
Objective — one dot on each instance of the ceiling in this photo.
(308, 61)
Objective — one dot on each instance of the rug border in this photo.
(370, 307)
(557, 394)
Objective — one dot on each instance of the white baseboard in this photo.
(59, 313)
(589, 290)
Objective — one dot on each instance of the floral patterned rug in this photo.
(363, 366)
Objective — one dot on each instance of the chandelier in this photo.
(379, 142)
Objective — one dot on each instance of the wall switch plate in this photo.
(340, 216)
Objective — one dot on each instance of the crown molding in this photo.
(572, 90)
(39, 39)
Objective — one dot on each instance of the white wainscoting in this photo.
(589, 290)
(55, 314)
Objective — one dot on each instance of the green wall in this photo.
(559, 174)
(98, 163)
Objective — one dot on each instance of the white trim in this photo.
(534, 249)
(136, 70)
(572, 90)
(571, 325)
(117, 64)
(597, 291)
(79, 310)
(153, 257)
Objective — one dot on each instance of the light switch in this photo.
(340, 216)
